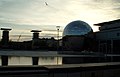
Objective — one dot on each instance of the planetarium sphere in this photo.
(77, 28)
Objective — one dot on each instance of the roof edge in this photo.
(107, 22)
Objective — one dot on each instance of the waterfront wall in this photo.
(84, 70)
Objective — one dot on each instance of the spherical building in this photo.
(77, 28)
(75, 34)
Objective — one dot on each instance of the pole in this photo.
(58, 27)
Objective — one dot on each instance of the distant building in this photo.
(39, 44)
(35, 44)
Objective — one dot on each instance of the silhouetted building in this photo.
(80, 44)
(108, 37)
(75, 35)
(35, 34)
(35, 40)
(92, 47)
(5, 37)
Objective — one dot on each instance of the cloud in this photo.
(34, 14)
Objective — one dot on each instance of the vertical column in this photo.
(58, 28)
(4, 61)
(35, 60)
(35, 38)
(5, 37)
(99, 50)
(112, 46)
(0, 61)
(112, 50)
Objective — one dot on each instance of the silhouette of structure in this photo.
(75, 35)
(79, 44)
(108, 37)
(35, 39)
(58, 28)
(5, 37)
(35, 33)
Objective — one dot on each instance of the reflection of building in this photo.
(13, 57)
(18, 57)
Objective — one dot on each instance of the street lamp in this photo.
(58, 28)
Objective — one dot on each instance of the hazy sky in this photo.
(24, 15)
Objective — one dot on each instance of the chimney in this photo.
(35, 34)
(5, 37)
(35, 39)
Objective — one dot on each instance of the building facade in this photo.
(108, 37)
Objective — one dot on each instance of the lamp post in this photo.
(58, 28)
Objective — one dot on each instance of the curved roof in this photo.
(77, 28)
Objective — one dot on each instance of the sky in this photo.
(25, 15)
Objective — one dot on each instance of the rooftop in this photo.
(35, 30)
(5, 29)
(108, 22)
